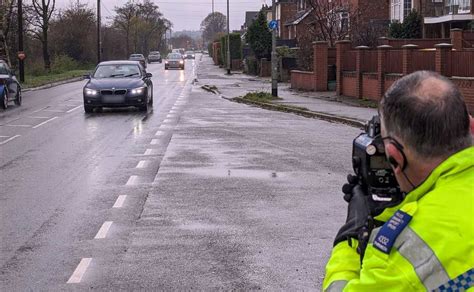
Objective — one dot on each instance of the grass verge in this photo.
(36, 81)
(260, 97)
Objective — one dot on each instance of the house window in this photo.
(407, 6)
(301, 4)
(458, 6)
(395, 10)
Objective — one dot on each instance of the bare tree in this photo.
(124, 19)
(41, 12)
(212, 25)
(6, 20)
(331, 19)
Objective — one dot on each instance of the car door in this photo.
(12, 84)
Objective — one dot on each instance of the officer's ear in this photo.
(395, 157)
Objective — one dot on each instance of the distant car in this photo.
(10, 88)
(190, 55)
(118, 84)
(154, 56)
(174, 60)
(138, 57)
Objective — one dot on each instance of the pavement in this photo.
(327, 103)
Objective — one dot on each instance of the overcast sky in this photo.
(187, 14)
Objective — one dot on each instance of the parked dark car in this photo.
(154, 56)
(190, 55)
(10, 89)
(174, 60)
(138, 57)
(118, 84)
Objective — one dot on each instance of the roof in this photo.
(119, 62)
(250, 17)
(300, 16)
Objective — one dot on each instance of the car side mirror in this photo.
(87, 76)
(148, 75)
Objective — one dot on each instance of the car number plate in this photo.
(113, 99)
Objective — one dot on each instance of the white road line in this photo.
(132, 180)
(8, 140)
(154, 142)
(148, 152)
(159, 133)
(103, 230)
(172, 111)
(81, 269)
(120, 201)
(4, 136)
(54, 111)
(40, 109)
(167, 121)
(38, 117)
(77, 107)
(165, 127)
(45, 122)
(22, 126)
(170, 116)
(142, 164)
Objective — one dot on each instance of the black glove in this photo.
(357, 212)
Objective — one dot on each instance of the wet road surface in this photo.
(197, 194)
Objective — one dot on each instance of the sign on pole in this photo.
(273, 25)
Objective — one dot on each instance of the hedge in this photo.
(235, 47)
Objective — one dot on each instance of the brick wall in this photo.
(371, 82)
(466, 85)
(265, 68)
(302, 80)
(349, 84)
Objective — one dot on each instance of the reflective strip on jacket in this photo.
(434, 252)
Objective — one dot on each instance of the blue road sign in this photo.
(273, 25)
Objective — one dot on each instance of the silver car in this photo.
(138, 57)
(174, 60)
(154, 56)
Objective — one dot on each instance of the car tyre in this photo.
(5, 99)
(166, 67)
(18, 98)
(143, 108)
(88, 109)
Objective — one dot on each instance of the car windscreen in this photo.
(174, 56)
(189, 52)
(136, 56)
(117, 71)
(3, 69)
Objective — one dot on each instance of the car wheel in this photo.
(166, 68)
(18, 97)
(5, 99)
(88, 109)
(151, 96)
(143, 108)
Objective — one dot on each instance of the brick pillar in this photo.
(341, 48)
(359, 70)
(443, 56)
(320, 65)
(407, 59)
(456, 38)
(381, 68)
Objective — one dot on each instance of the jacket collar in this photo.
(458, 162)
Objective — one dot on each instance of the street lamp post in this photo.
(274, 54)
(98, 33)
(228, 41)
(21, 63)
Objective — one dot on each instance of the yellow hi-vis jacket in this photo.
(426, 243)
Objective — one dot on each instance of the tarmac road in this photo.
(197, 194)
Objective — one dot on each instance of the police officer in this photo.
(426, 242)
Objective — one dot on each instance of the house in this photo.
(295, 25)
(439, 16)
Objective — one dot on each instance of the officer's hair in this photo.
(428, 112)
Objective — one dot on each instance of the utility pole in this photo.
(21, 63)
(228, 41)
(274, 54)
(98, 33)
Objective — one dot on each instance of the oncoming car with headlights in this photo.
(174, 60)
(118, 84)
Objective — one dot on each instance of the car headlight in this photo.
(166, 62)
(181, 62)
(139, 90)
(91, 92)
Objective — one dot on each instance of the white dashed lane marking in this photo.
(8, 140)
(81, 269)
(45, 122)
(103, 230)
(159, 133)
(133, 179)
(154, 142)
(77, 107)
(142, 164)
(120, 201)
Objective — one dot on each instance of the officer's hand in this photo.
(352, 181)
(357, 214)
